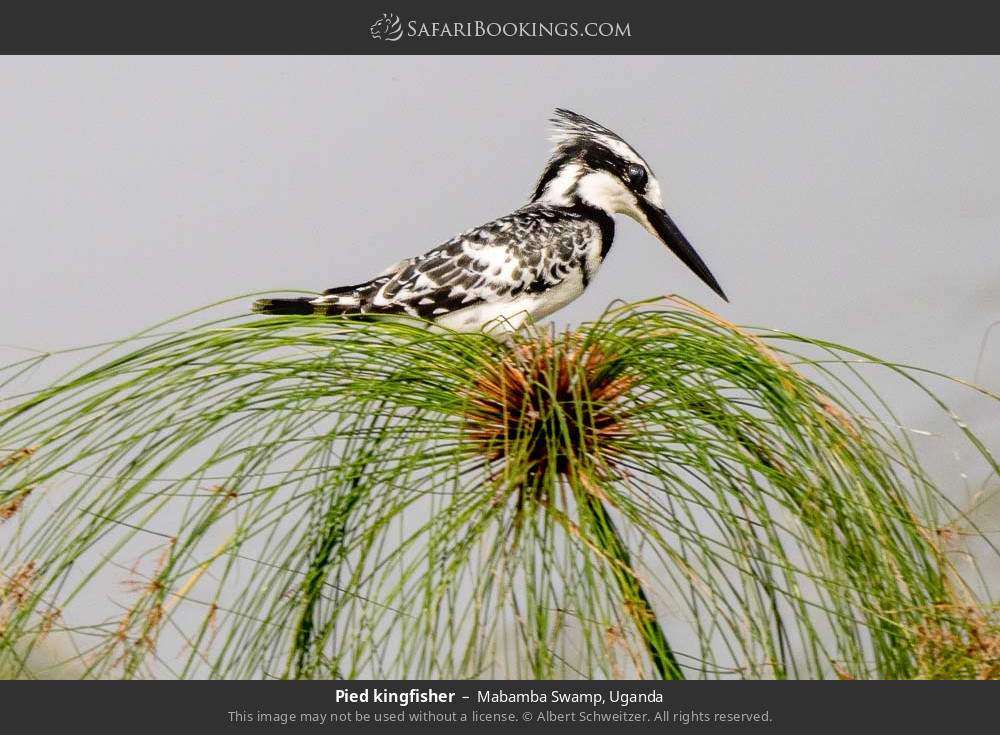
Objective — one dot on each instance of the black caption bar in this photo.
(512, 27)
(458, 706)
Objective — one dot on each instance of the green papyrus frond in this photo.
(656, 494)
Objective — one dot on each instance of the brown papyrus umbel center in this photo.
(549, 406)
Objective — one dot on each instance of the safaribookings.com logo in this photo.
(390, 28)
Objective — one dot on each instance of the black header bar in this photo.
(450, 27)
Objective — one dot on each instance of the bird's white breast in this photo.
(510, 314)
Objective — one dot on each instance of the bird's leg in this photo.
(504, 328)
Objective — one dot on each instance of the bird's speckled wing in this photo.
(530, 250)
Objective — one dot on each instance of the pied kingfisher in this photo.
(531, 262)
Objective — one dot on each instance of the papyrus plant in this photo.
(656, 494)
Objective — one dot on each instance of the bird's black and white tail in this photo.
(304, 305)
(332, 302)
(284, 306)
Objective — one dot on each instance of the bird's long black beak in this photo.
(674, 239)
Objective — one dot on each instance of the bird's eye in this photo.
(637, 176)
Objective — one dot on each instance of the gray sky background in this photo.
(855, 199)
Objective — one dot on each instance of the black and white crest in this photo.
(571, 128)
